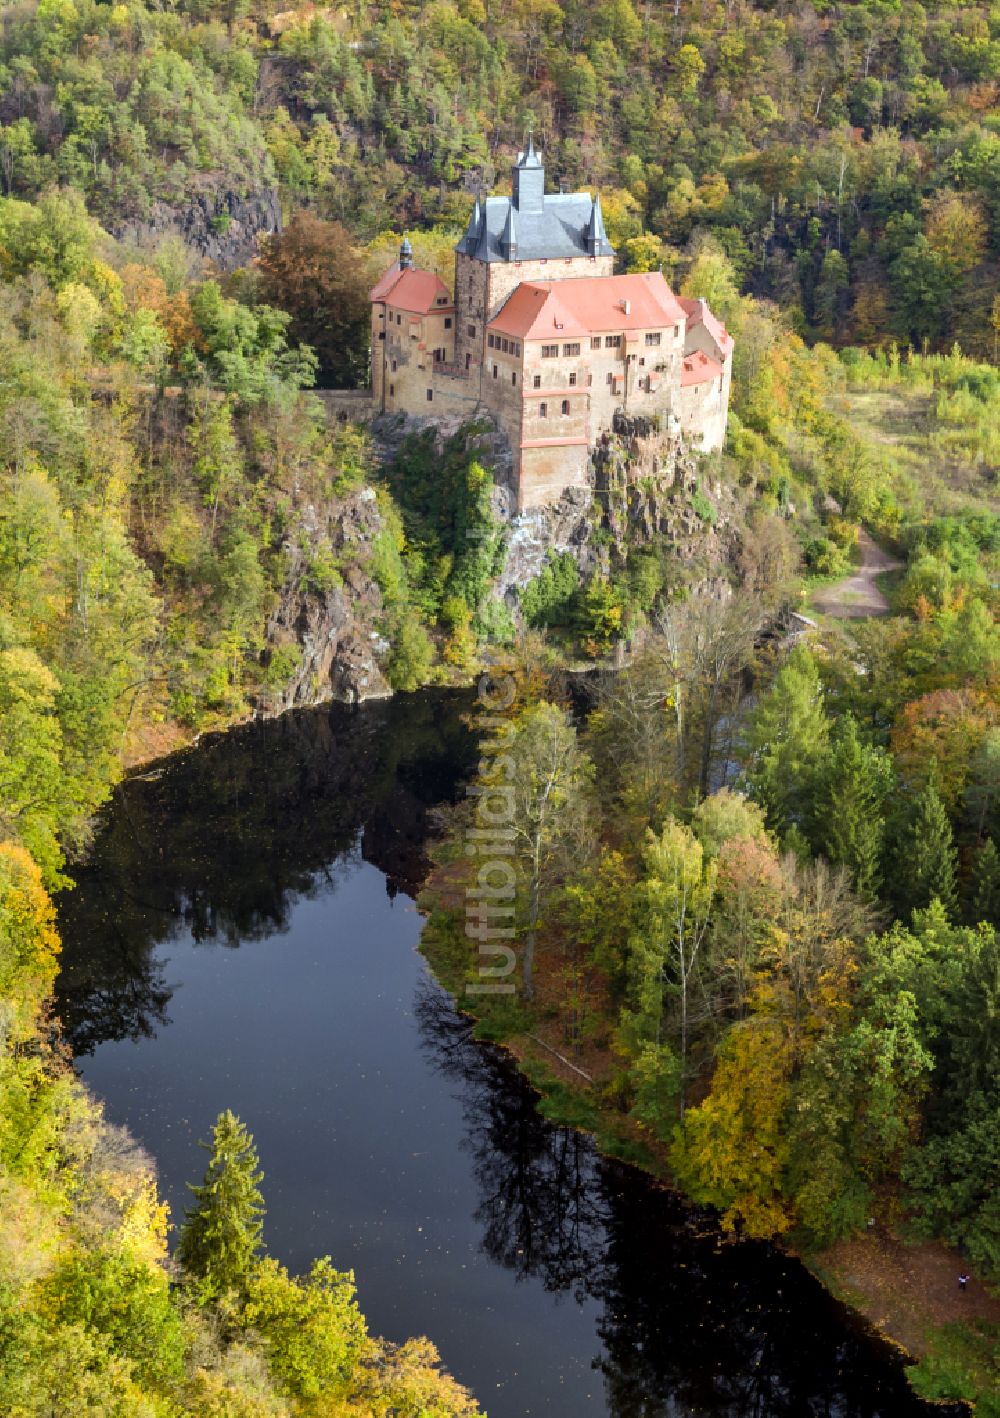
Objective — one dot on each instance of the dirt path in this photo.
(858, 595)
(907, 1290)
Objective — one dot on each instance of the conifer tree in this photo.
(985, 896)
(850, 827)
(925, 857)
(787, 743)
(221, 1236)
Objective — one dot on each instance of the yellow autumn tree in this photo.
(731, 1152)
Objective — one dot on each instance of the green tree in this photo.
(312, 1328)
(543, 776)
(222, 1234)
(665, 951)
(926, 861)
(849, 827)
(787, 744)
(35, 796)
(412, 654)
(985, 896)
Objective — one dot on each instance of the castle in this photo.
(543, 334)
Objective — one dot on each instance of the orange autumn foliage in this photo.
(945, 727)
(145, 290)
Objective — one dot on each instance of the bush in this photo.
(412, 654)
(703, 507)
(550, 598)
(824, 558)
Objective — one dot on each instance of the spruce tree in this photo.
(926, 859)
(850, 827)
(221, 1235)
(787, 744)
(985, 896)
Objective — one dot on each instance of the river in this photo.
(244, 936)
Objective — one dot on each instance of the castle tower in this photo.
(528, 181)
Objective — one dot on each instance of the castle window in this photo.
(505, 346)
(595, 342)
(572, 379)
(399, 319)
(517, 348)
(543, 411)
(550, 352)
(430, 395)
(381, 334)
(490, 340)
(653, 338)
(513, 377)
(438, 356)
(468, 360)
(496, 368)
(612, 342)
(447, 322)
(394, 366)
(537, 382)
(611, 377)
(570, 350)
(472, 331)
(392, 391)
(565, 407)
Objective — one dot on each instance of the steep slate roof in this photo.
(558, 231)
(539, 310)
(698, 313)
(409, 288)
(697, 368)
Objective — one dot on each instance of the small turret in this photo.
(508, 239)
(596, 236)
(475, 227)
(405, 254)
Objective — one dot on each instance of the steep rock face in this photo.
(564, 526)
(646, 485)
(651, 485)
(224, 227)
(329, 605)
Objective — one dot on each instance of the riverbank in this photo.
(907, 1292)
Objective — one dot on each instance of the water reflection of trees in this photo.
(222, 840)
(688, 1325)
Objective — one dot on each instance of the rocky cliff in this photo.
(224, 227)
(330, 603)
(646, 485)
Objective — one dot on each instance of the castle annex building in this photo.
(543, 334)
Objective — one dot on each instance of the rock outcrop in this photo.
(223, 227)
(330, 603)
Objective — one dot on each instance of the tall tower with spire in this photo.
(528, 181)
(529, 236)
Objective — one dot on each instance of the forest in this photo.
(761, 905)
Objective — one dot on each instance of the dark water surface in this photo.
(244, 937)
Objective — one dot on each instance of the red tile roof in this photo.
(411, 289)
(698, 312)
(697, 368)
(541, 310)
